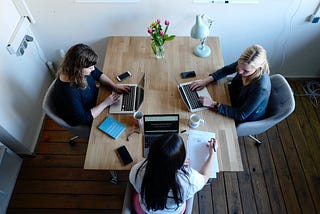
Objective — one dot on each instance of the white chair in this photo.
(126, 208)
(281, 105)
(48, 107)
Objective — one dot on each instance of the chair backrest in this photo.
(281, 105)
(50, 110)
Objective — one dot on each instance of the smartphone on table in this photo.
(123, 76)
(188, 74)
(124, 155)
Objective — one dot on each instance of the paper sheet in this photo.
(198, 152)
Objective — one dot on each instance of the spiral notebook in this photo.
(112, 127)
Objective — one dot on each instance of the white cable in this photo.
(290, 31)
(38, 52)
(312, 90)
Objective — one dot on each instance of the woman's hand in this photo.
(205, 101)
(112, 98)
(119, 88)
(198, 85)
(212, 146)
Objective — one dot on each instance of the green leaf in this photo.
(169, 38)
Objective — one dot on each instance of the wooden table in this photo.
(161, 96)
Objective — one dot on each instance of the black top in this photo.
(74, 104)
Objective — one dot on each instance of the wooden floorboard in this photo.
(245, 185)
(280, 176)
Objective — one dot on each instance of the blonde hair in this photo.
(255, 56)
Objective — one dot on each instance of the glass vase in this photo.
(160, 52)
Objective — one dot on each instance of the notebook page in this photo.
(198, 152)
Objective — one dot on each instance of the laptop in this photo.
(156, 125)
(130, 102)
(191, 98)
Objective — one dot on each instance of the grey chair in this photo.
(48, 107)
(281, 105)
(126, 208)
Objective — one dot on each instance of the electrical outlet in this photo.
(24, 45)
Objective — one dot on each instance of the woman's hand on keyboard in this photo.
(197, 85)
(207, 102)
(113, 98)
(200, 84)
(119, 88)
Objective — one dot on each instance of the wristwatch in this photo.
(216, 107)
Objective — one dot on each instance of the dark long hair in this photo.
(165, 158)
(78, 57)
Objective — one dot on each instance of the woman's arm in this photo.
(215, 76)
(207, 167)
(104, 80)
(113, 98)
(198, 85)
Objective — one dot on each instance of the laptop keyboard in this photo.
(128, 100)
(193, 97)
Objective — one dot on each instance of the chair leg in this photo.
(258, 142)
(114, 178)
(72, 141)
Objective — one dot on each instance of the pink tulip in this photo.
(158, 20)
(166, 22)
(161, 33)
(149, 30)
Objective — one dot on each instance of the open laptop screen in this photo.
(154, 124)
(140, 92)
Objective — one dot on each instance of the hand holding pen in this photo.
(212, 144)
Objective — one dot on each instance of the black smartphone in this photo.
(124, 75)
(188, 74)
(124, 155)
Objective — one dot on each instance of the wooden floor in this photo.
(280, 176)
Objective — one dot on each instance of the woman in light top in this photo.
(249, 89)
(75, 91)
(163, 182)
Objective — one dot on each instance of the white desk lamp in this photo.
(201, 31)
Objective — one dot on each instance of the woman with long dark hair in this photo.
(163, 182)
(75, 91)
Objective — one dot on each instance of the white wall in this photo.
(280, 26)
(23, 81)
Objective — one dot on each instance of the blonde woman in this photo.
(249, 89)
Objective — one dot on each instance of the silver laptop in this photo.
(191, 98)
(130, 102)
(156, 125)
